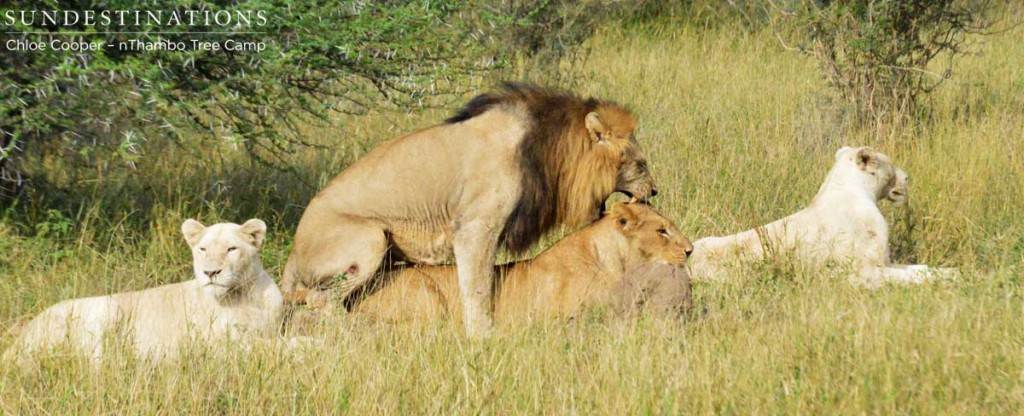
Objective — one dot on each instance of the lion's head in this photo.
(634, 177)
(613, 149)
(225, 256)
(652, 237)
(873, 172)
(575, 154)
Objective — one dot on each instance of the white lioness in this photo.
(230, 297)
(842, 225)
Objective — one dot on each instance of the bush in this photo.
(878, 53)
(88, 108)
(548, 31)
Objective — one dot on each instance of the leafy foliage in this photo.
(87, 107)
(554, 26)
(550, 31)
(878, 53)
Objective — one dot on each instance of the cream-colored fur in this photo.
(842, 225)
(230, 297)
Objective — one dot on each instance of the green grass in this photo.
(738, 131)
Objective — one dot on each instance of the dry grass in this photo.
(739, 132)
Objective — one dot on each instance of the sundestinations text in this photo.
(47, 18)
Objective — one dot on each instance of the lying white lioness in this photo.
(230, 297)
(842, 225)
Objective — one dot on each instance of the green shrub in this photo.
(98, 109)
(879, 54)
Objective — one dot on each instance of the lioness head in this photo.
(652, 237)
(224, 255)
(874, 171)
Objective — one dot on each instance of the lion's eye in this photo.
(230, 249)
(202, 249)
(663, 232)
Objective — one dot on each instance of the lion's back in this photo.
(79, 323)
(417, 187)
(427, 167)
(160, 317)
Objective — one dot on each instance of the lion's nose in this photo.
(687, 247)
(211, 273)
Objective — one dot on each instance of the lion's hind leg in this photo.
(716, 258)
(332, 260)
(920, 273)
(77, 323)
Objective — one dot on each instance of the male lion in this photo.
(508, 167)
(842, 224)
(629, 258)
(231, 296)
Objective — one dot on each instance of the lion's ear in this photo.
(840, 151)
(193, 231)
(866, 159)
(255, 229)
(624, 216)
(596, 127)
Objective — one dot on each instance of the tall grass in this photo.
(738, 131)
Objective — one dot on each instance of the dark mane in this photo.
(478, 105)
(551, 148)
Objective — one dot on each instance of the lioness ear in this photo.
(192, 230)
(624, 216)
(595, 127)
(840, 151)
(866, 159)
(256, 229)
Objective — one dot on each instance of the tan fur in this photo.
(513, 164)
(843, 225)
(239, 300)
(631, 257)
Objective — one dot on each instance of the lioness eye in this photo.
(663, 232)
(202, 248)
(230, 249)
